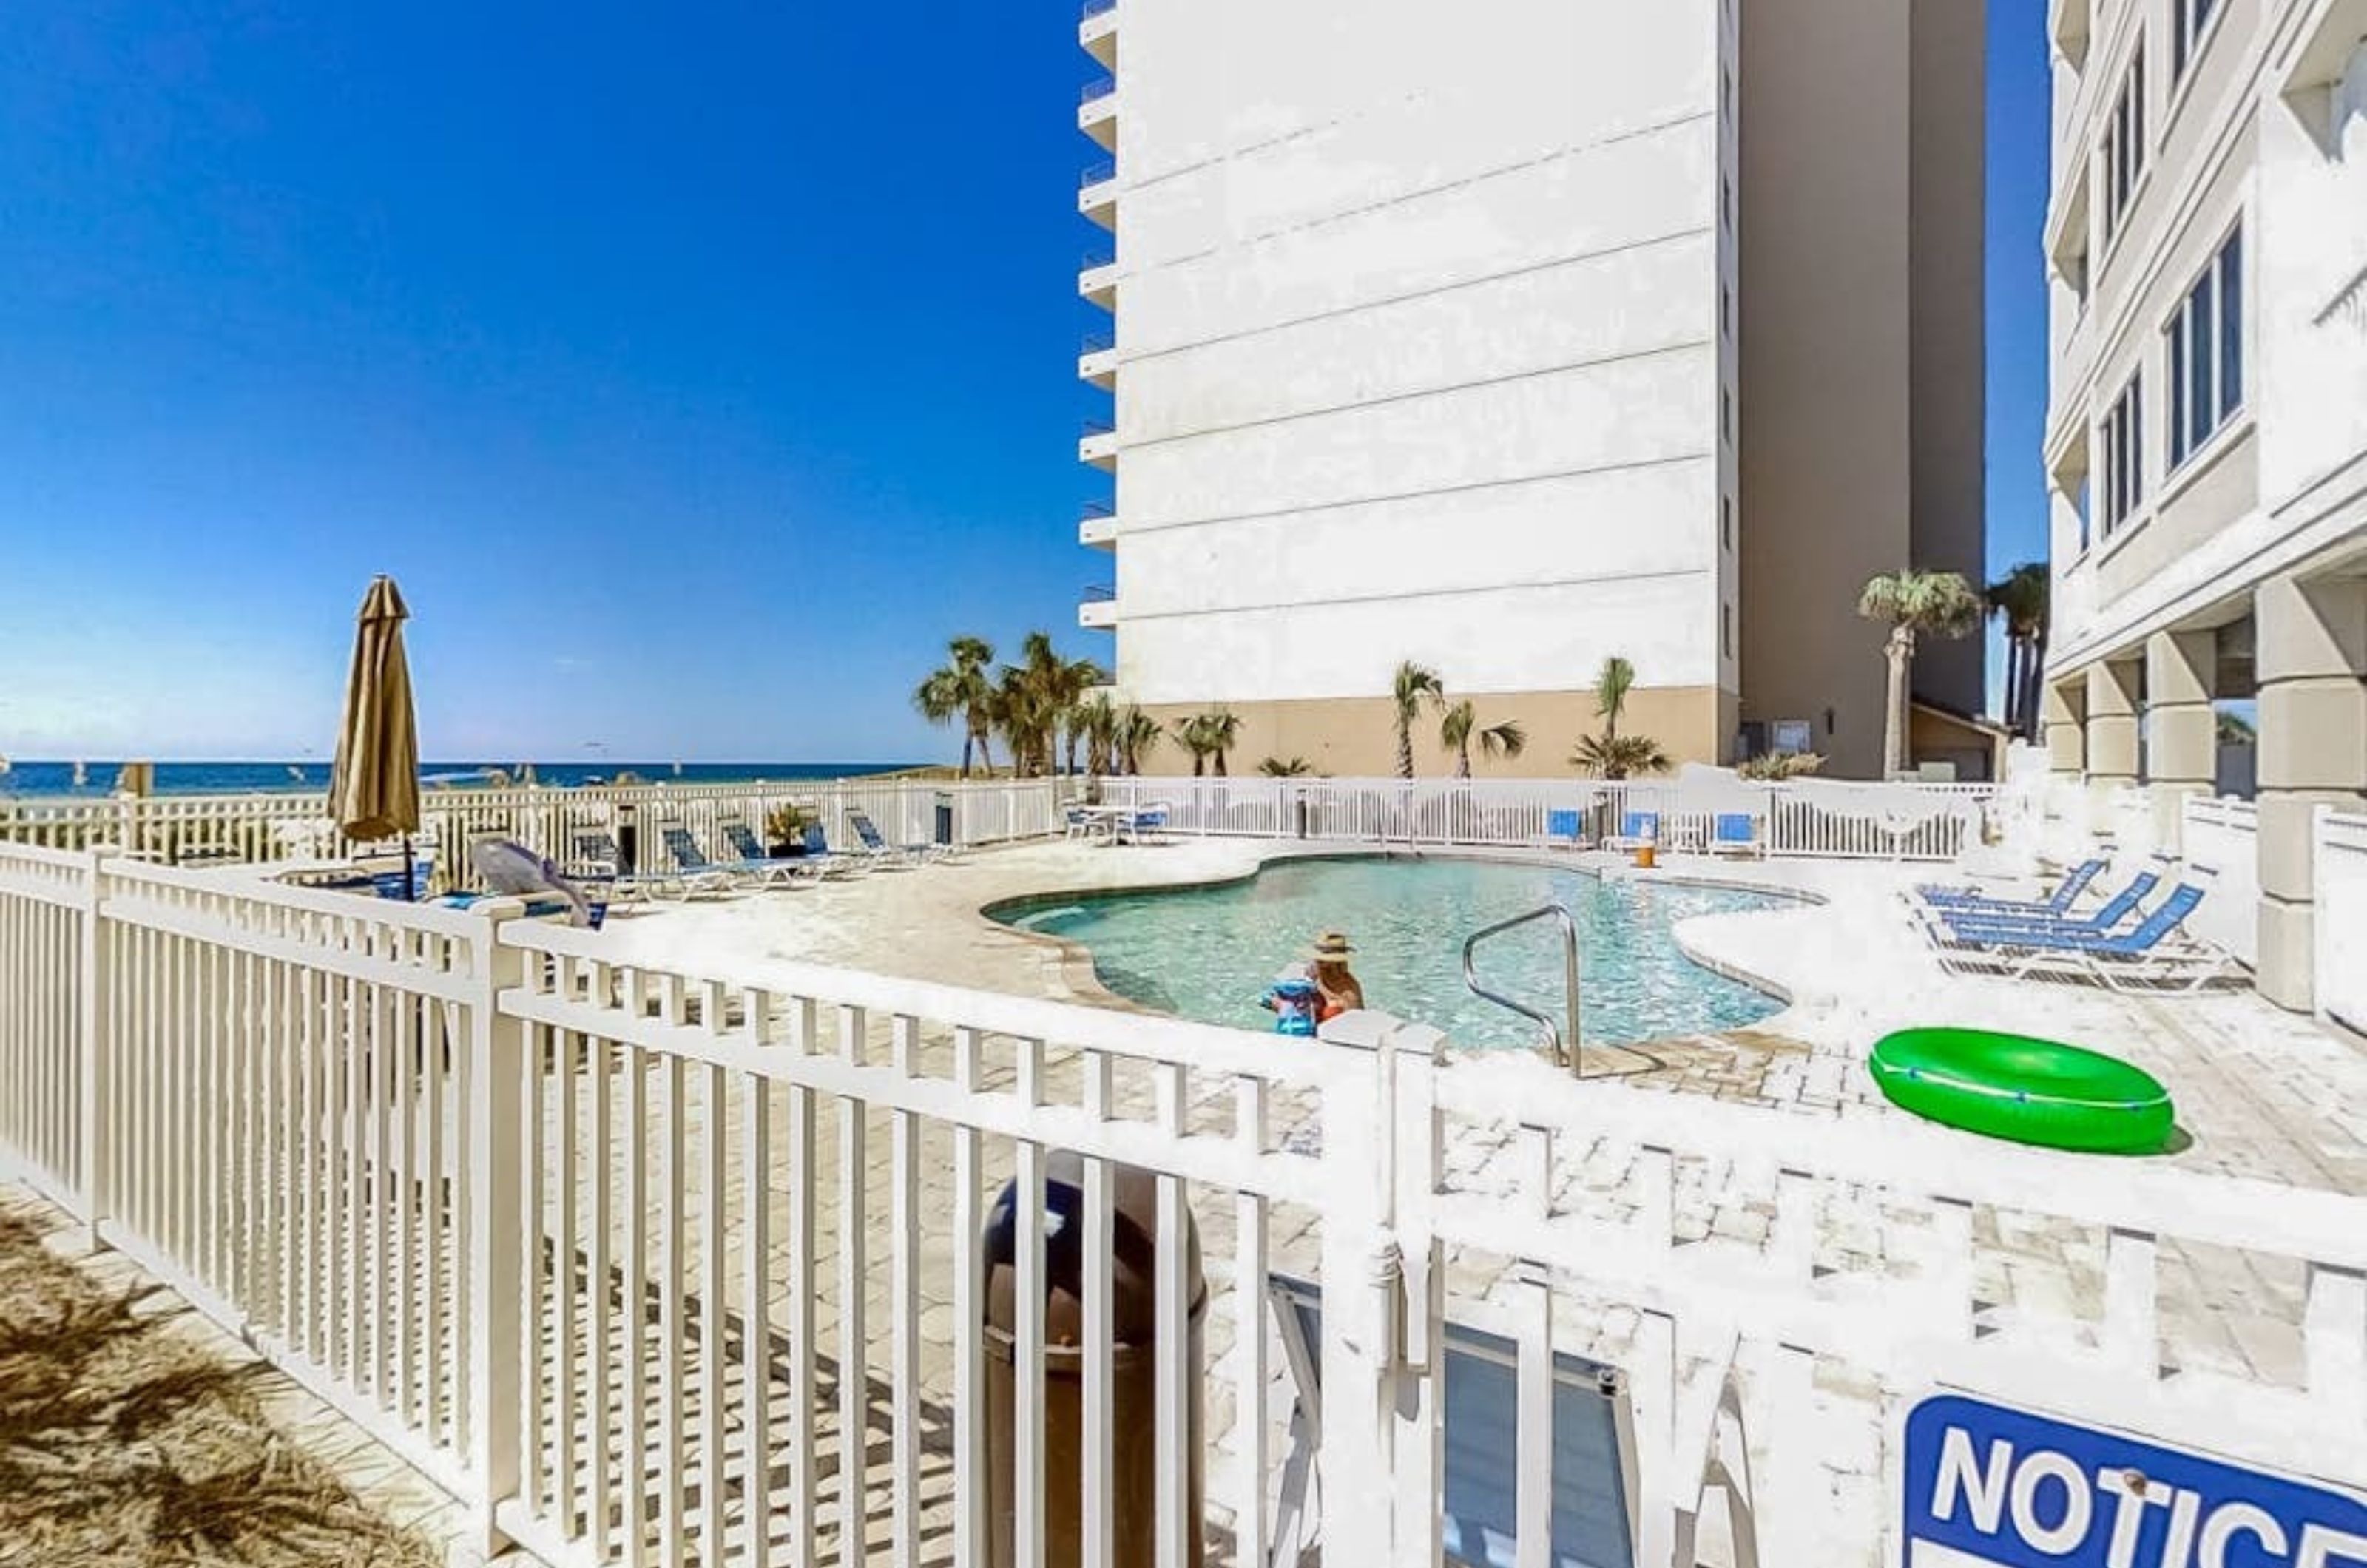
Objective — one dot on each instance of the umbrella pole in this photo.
(410, 894)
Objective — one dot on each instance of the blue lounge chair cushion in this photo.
(2066, 894)
(1640, 825)
(2144, 938)
(2112, 913)
(1561, 824)
(1735, 827)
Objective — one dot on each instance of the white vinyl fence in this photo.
(2225, 837)
(2341, 923)
(554, 823)
(654, 1266)
(1889, 821)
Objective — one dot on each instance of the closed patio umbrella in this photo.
(374, 786)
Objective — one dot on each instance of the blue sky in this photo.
(696, 377)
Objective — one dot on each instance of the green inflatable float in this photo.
(2031, 1091)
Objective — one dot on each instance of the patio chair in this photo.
(2107, 915)
(767, 870)
(820, 859)
(2149, 957)
(1636, 829)
(599, 864)
(2066, 893)
(694, 875)
(1147, 825)
(1565, 830)
(1737, 833)
(875, 844)
(1593, 1436)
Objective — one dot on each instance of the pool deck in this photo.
(2260, 1093)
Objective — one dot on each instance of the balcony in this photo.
(1097, 111)
(1097, 526)
(1097, 31)
(1097, 362)
(1097, 279)
(1098, 447)
(2069, 23)
(1097, 194)
(1099, 610)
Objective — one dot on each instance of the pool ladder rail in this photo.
(1562, 1038)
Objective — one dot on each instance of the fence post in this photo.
(93, 1051)
(497, 1231)
(1363, 1277)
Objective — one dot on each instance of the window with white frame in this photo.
(2121, 457)
(2124, 148)
(2206, 352)
(2189, 20)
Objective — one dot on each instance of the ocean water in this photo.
(1207, 953)
(28, 778)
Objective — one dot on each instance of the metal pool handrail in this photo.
(1563, 1041)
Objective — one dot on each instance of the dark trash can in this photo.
(1133, 1319)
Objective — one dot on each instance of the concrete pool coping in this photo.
(1078, 972)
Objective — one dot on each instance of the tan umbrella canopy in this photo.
(374, 788)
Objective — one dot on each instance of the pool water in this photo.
(1209, 952)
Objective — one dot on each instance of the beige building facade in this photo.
(2207, 422)
(1599, 329)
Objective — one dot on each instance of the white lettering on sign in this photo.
(2071, 1528)
(2229, 1518)
(2128, 1515)
(1959, 1476)
(2325, 1548)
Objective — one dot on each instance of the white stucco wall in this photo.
(1418, 334)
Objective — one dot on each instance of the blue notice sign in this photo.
(1989, 1487)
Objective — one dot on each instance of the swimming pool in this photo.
(1209, 952)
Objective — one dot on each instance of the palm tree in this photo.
(1915, 605)
(1071, 680)
(1138, 732)
(1460, 724)
(1612, 684)
(2020, 598)
(1097, 720)
(1220, 731)
(1414, 685)
(1619, 756)
(1192, 734)
(961, 689)
(1277, 768)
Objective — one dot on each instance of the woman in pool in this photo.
(1340, 988)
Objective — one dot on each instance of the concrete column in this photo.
(2181, 731)
(2312, 656)
(2064, 713)
(2111, 726)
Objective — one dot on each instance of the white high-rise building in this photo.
(1439, 337)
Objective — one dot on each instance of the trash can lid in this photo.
(1134, 1225)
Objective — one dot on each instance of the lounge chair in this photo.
(694, 875)
(1592, 1435)
(2107, 915)
(1147, 825)
(1737, 833)
(1565, 830)
(599, 864)
(1078, 823)
(2147, 957)
(2066, 893)
(820, 859)
(875, 844)
(1636, 829)
(767, 870)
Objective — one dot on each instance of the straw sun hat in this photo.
(1331, 947)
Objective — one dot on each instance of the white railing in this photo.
(275, 828)
(633, 1258)
(1889, 821)
(2126, 817)
(2340, 859)
(2225, 836)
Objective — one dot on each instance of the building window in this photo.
(1726, 520)
(1725, 310)
(1725, 631)
(2122, 438)
(2083, 503)
(1726, 201)
(2124, 144)
(2189, 20)
(2206, 352)
(1729, 97)
(1726, 415)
